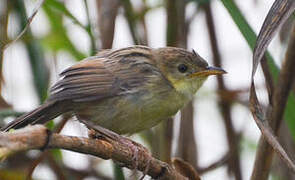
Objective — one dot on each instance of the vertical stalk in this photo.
(107, 11)
(177, 37)
(225, 106)
(134, 23)
(186, 132)
(3, 35)
(187, 137)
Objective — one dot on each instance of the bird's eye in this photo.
(182, 68)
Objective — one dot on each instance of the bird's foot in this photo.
(137, 149)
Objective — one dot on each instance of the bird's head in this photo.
(185, 70)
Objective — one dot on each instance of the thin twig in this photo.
(57, 169)
(89, 30)
(222, 161)
(35, 163)
(29, 21)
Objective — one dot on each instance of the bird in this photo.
(125, 91)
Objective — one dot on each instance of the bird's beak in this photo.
(209, 71)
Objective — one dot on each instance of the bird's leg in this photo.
(99, 132)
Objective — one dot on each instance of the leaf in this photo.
(36, 55)
(247, 31)
(277, 15)
(57, 154)
(60, 7)
(266, 130)
(118, 172)
(58, 38)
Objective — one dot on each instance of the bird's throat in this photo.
(189, 87)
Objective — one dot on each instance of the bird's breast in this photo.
(131, 113)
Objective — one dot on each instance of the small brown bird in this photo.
(126, 90)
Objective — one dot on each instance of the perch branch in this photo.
(39, 137)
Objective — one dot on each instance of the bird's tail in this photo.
(40, 115)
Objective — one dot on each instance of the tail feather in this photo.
(40, 115)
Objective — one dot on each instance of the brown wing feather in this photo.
(104, 76)
(85, 81)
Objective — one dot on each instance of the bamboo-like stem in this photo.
(107, 11)
(225, 106)
(186, 130)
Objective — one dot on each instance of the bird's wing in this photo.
(99, 77)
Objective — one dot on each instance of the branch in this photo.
(39, 137)
(220, 162)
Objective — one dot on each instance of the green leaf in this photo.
(60, 8)
(118, 172)
(36, 55)
(278, 14)
(58, 38)
(50, 125)
(56, 154)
